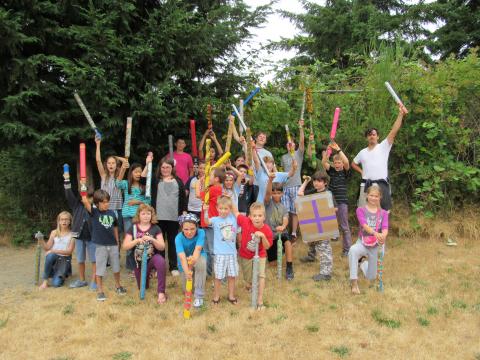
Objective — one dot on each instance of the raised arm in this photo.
(301, 141)
(325, 162)
(98, 158)
(217, 144)
(402, 111)
(148, 160)
(293, 169)
(123, 168)
(87, 204)
(301, 190)
(201, 155)
(268, 193)
(311, 138)
(336, 147)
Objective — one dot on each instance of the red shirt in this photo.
(215, 193)
(247, 230)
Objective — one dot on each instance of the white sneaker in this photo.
(197, 303)
(175, 273)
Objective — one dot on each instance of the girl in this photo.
(373, 231)
(134, 195)
(194, 203)
(169, 201)
(109, 171)
(191, 255)
(213, 153)
(148, 234)
(58, 252)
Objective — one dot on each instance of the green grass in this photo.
(382, 320)
(432, 310)
(3, 323)
(279, 319)
(124, 355)
(312, 328)
(459, 304)
(212, 328)
(341, 351)
(423, 321)
(68, 309)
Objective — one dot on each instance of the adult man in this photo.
(183, 161)
(293, 183)
(374, 161)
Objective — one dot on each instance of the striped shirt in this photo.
(338, 184)
(136, 194)
(109, 185)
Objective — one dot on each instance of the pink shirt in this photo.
(183, 165)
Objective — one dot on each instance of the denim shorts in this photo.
(82, 247)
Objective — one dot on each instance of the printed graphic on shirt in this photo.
(228, 232)
(106, 221)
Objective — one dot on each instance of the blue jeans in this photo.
(49, 269)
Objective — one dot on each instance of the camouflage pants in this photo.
(322, 251)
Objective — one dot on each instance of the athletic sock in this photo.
(289, 265)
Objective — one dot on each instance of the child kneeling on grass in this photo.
(148, 234)
(105, 237)
(254, 224)
(192, 258)
(373, 232)
(59, 249)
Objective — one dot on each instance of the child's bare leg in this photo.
(94, 270)
(99, 280)
(355, 289)
(44, 284)
(289, 251)
(261, 287)
(231, 287)
(216, 289)
(81, 271)
(117, 279)
(294, 222)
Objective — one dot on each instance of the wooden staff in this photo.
(290, 143)
(148, 185)
(249, 153)
(380, 268)
(128, 137)
(187, 302)
(38, 253)
(86, 114)
(83, 170)
(309, 101)
(209, 116)
(255, 273)
(208, 143)
(143, 269)
(279, 257)
(231, 126)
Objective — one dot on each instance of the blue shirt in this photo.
(187, 246)
(262, 180)
(224, 235)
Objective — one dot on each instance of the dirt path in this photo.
(17, 267)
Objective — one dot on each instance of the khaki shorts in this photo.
(247, 268)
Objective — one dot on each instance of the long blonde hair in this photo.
(63, 213)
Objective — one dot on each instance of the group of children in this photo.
(212, 225)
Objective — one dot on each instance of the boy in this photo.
(277, 219)
(105, 237)
(322, 247)
(254, 224)
(183, 161)
(217, 177)
(248, 192)
(194, 203)
(224, 234)
(338, 186)
(82, 228)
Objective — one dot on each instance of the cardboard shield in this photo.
(317, 218)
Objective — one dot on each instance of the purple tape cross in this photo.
(317, 220)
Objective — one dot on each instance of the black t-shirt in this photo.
(103, 223)
(338, 184)
(246, 197)
(153, 231)
(314, 191)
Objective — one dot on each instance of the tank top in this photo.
(111, 188)
(61, 242)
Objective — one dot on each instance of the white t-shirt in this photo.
(62, 242)
(374, 162)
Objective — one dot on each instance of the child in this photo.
(105, 237)
(134, 195)
(217, 177)
(230, 187)
(262, 177)
(293, 183)
(338, 186)
(82, 228)
(277, 219)
(189, 244)
(147, 234)
(110, 171)
(213, 154)
(59, 249)
(183, 161)
(194, 203)
(224, 236)
(255, 225)
(322, 247)
(247, 192)
(373, 232)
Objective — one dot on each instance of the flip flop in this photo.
(233, 301)
(215, 302)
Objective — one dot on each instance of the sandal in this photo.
(215, 302)
(233, 301)
(261, 307)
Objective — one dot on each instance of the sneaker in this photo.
(175, 272)
(93, 286)
(77, 284)
(289, 274)
(197, 303)
(334, 239)
(321, 277)
(121, 290)
(307, 259)
(101, 297)
(451, 242)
